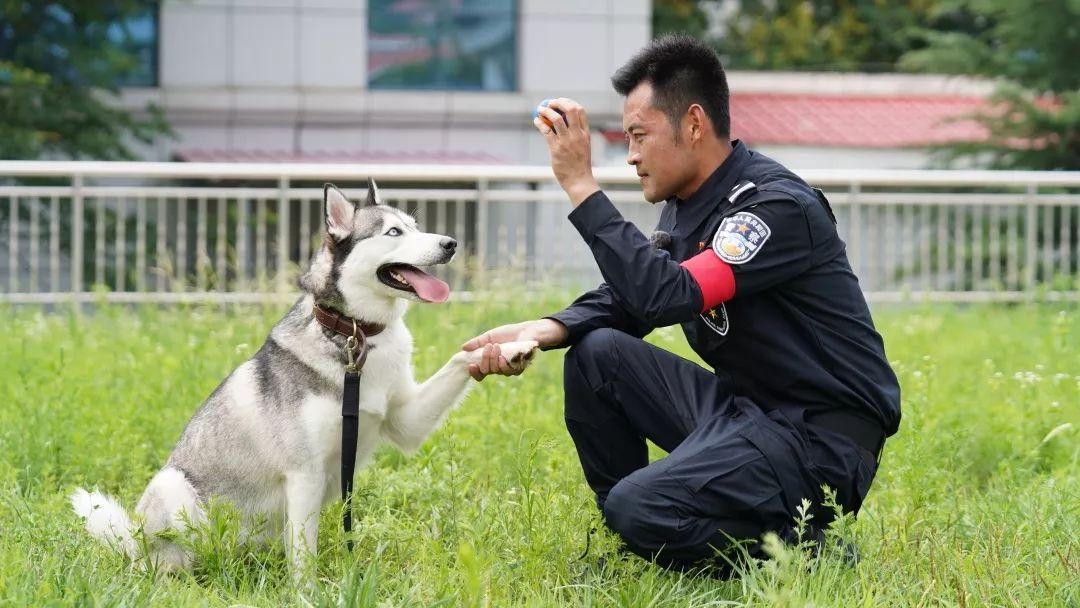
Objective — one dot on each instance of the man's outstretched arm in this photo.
(548, 333)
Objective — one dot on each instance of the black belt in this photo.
(867, 434)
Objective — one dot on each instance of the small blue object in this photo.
(544, 104)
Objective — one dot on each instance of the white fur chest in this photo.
(387, 369)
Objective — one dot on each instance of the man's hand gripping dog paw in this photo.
(496, 351)
(506, 359)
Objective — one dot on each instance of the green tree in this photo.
(867, 35)
(1034, 119)
(61, 64)
(679, 16)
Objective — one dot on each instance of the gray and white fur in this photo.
(268, 439)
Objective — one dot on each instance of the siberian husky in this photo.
(268, 439)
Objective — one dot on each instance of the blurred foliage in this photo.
(866, 35)
(1033, 119)
(61, 64)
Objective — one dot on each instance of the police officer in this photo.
(746, 258)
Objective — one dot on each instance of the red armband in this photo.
(713, 276)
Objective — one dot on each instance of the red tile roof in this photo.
(194, 155)
(850, 121)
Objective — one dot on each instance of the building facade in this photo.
(446, 80)
(455, 81)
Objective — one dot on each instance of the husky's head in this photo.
(372, 253)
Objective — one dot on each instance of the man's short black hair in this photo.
(682, 71)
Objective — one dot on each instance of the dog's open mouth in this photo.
(410, 278)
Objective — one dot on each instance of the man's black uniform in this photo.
(802, 394)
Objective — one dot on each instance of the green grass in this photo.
(977, 502)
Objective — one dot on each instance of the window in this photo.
(137, 36)
(467, 45)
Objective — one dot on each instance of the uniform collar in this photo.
(690, 213)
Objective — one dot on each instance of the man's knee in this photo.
(636, 514)
(656, 527)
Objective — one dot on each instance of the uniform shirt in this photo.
(759, 280)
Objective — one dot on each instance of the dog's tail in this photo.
(106, 520)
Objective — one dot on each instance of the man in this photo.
(750, 265)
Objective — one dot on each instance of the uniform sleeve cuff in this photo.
(564, 318)
(592, 214)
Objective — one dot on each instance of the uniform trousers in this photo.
(735, 469)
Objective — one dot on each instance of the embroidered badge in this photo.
(740, 237)
(717, 319)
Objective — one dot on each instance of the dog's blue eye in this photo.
(394, 232)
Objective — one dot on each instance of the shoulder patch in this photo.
(740, 237)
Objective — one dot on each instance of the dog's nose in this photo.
(448, 244)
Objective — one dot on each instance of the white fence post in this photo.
(1030, 246)
(282, 233)
(855, 232)
(77, 229)
(13, 244)
(482, 215)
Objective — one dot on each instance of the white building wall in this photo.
(291, 75)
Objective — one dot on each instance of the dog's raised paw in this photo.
(515, 352)
(519, 352)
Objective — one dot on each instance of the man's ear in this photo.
(340, 213)
(696, 122)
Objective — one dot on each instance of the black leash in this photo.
(356, 348)
(350, 420)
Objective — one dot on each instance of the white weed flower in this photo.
(1026, 378)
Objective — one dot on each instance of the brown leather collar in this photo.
(346, 326)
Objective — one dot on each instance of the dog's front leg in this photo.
(416, 412)
(303, 500)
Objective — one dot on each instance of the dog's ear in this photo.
(340, 212)
(373, 197)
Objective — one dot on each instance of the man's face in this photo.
(663, 165)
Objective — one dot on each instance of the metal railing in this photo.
(168, 232)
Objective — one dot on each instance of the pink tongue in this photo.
(427, 287)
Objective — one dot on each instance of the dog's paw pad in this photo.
(521, 357)
(519, 352)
